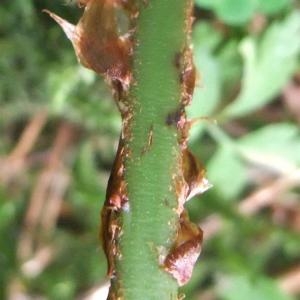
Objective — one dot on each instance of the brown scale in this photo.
(178, 119)
(187, 245)
(116, 201)
(188, 76)
(186, 249)
(194, 175)
(189, 19)
(183, 62)
(191, 181)
(96, 41)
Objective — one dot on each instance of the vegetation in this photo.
(60, 128)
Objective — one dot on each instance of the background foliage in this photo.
(59, 129)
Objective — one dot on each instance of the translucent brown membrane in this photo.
(97, 43)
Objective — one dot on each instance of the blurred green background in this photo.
(58, 134)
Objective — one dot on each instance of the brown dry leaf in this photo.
(96, 41)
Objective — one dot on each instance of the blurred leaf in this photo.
(272, 6)
(227, 173)
(268, 65)
(239, 12)
(242, 287)
(63, 290)
(86, 168)
(235, 12)
(281, 141)
(208, 94)
(230, 65)
(206, 3)
(7, 213)
(62, 83)
(206, 36)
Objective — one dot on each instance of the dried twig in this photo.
(42, 258)
(46, 197)
(290, 281)
(15, 162)
(269, 194)
(261, 198)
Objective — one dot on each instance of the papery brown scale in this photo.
(189, 80)
(116, 201)
(110, 230)
(100, 45)
(185, 251)
(193, 173)
(97, 43)
(188, 76)
(109, 58)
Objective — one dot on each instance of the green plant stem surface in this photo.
(151, 222)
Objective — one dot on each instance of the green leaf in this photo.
(227, 173)
(268, 65)
(206, 36)
(7, 213)
(232, 12)
(206, 3)
(238, 12)
(230, 65)
(235, 12)
(279, 142)
(208, 94)
(61, 86)
(271, 7)
(242, 287)
(86, 167)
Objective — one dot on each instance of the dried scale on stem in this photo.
(150, 244)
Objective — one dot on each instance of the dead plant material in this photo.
(46, 198)
(16, 162)
(289, 282)
(265, 196)
(97, 43)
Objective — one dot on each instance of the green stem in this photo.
(149, 241)
(150, 223)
